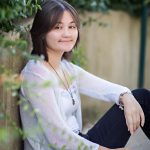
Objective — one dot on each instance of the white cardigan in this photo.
(44, 111)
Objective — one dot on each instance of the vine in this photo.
(13, 12)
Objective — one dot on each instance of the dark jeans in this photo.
(111, 130)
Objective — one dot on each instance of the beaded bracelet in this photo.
(121, 105)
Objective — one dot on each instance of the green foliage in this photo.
(133, 7)
(12, 44)
(3, 135)
(89, 5)
(79, 57)
(11, 11)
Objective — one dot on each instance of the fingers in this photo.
(142, 117)
(134, 114)
(129, 123)
(133, 119)
(136, 120)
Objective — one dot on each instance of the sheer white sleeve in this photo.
(43, 100)
(98, 88)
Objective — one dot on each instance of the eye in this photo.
(58, 27)
(72, 27)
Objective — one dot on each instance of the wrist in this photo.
(122, 99)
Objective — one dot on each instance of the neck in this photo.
(55, 58)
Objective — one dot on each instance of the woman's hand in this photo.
(105, 148)
(133, 112)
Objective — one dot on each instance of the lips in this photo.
(66, 41)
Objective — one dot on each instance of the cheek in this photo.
(75, 35)
(50, 37)
(49, 40)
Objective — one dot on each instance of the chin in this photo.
(68, 49)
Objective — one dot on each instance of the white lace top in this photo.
(49, 118)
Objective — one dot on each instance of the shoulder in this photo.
(36, 68)
(72, 68)
(68, 65)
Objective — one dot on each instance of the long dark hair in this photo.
(45, 20)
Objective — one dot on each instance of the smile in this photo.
(66, 41)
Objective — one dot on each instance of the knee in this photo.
(142, 93)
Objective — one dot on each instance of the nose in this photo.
(66, 32)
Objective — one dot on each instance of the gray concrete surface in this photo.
(138, 141)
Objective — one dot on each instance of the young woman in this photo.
(51, 107)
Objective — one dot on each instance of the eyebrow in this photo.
(59, 22)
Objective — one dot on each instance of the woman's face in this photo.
(63, 36)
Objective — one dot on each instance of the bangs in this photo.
(55, 18)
